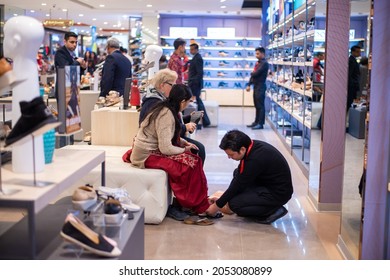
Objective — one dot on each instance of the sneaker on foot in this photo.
(176, 214)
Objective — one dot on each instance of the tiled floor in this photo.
(302, 234)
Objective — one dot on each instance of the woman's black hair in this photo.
(178, 94)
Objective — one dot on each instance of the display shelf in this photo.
(228, 63)
(290, 50)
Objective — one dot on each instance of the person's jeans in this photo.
(195, 89)
(258, 100)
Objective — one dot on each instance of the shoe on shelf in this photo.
(280, 212)
(75, 231)
(122, 196)
(258, 126)
(34, 115)
(112, 211)
(176, 214)
(84, 198)
(252, 124)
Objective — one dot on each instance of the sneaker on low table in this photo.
(122, 196)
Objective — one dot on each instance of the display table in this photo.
(114, 127)
(67, 167)
(357, 123)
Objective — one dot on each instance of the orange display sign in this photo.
(58, 22)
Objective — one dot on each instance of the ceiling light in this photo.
(123, 28)
(43, 4)
(64, 10)
(78, 23)
(48, 15)
(223, 1)
(81, 15)
(105, 22)
(32, 11)
(15, 15)
(101, 5)
(149, 5)
(223, 7)
(94, 19)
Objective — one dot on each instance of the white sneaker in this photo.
(122, 195)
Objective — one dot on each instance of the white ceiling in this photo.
(115, 13)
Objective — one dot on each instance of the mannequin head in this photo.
(22, 37)
(153, 54)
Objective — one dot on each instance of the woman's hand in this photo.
(190, 127)
(212, 210)
(188, 146)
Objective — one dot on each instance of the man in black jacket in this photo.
(353, 75)
(116, 69)
(261, 184)
(66, 54)
(195, 80)
(257, 79)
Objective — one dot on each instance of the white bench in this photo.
(148, 188)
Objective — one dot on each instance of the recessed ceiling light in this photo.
(149, 5)
(64, 10)
(101, 5)
(94, 19)
(223, 1)
(105, 22)
(32, 11)
(223, 7)
(48, 15)
(81, 15)
(15, 15)
(43, 4)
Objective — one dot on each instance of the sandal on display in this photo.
(198, 221)
(75, 231)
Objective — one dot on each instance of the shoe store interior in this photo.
(273, 142)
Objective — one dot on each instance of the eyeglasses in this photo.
(170, 84)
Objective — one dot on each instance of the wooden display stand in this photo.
(111, 126)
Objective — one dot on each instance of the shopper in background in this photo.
(158, 145)
(116, 69)
(175, 62)
(257, 79)
(353, 76)
(363, 67)
(195, 80)
(261, 183)
(66, 56)
(124, 52)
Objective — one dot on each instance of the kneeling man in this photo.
(261, 184)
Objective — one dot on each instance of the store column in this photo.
(376, 225)
(334, 102)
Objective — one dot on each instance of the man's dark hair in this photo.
(235, 140)
(355, 48)
(364, 60)
(178, 42)
(70, 34)
(260, 49)
(195, 45)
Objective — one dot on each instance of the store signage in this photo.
(58, 22)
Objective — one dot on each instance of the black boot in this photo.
(35, 115)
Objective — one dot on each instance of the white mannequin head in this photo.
(22, 37)
(153, 54)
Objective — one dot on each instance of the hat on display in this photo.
(35, 115)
